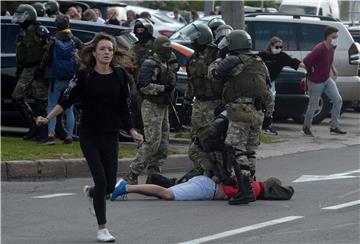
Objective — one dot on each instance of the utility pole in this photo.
(208, 7)
(233, 13)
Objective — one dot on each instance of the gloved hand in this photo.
(169, 87)
(267, 122)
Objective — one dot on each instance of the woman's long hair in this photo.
(124, 58)
(272, 41)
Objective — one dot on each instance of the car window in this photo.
(310, 35)
(264, 31)
(8, 37)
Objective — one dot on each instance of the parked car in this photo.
(83, 29)
(300, 34)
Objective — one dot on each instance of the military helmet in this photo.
(52, 6)
(215, 23)
(201, 34)
(40, 9)
(142, 23)
(221, 32)
(236, 40)
(24, 12)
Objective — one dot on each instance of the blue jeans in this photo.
(53, 98)
(315, 90)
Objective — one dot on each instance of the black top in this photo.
(103, 98)
(276, 62)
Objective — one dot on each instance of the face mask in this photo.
(164, 54)
(334, 42)
(143, 37)
(275, 51)
(197, 47)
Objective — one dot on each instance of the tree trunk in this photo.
(233, 13)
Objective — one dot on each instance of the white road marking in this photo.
(55, 195)
(349, 193)
(344, 205)
(242, 230)
(344, 175)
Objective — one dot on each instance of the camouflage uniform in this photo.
(30, 46)
(156, 81)
(207, 93)
(142, 52)
(246, 95)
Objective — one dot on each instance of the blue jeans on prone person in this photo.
(330, 89)
(54, 93)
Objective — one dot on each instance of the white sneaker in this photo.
(86, 191)
(104, 235)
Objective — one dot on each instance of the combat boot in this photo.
(243, 197)
(131, 178)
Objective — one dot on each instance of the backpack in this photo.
(63, 63)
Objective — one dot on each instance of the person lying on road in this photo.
(203, 188)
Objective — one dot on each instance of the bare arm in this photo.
(45, 120)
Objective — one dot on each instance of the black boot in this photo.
(29, 119)
(245, 193)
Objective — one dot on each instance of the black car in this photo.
(82, 29)
(290, 101)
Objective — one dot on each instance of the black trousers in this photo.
(101, 153)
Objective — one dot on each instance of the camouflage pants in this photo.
(28, 87)
(153, 152)
(202, 115)
(245, 139)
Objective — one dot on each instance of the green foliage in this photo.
(267, 3)
(14, 148)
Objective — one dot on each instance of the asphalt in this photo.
(289, 141)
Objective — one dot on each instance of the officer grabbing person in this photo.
(247, 98)
(206, 91)
(142, 50)
(156, 83)
(30, 47)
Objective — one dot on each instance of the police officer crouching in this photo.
(156, 84)
(30, 47)
(246, 95)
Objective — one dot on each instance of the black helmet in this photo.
(40, 9)
(221, 32)
(236, 40)
(201, 34)
(62, 22)
(142, 23)
(215, 23)
(52, 7)
(24, 12)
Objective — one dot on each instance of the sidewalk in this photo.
(289, 141)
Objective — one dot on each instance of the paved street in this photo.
(66, 219)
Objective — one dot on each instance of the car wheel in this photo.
(321, 112)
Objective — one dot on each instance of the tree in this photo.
(233, 13)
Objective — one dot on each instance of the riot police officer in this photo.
(206, 91)
(142, 49)
(221, 32)
(52, 8)
(30, 46)
(248, 98)
(214, 24)
(156, 84)
(40, 9)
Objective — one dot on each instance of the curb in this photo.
(23, 170)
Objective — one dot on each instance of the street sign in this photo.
(344, 175)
